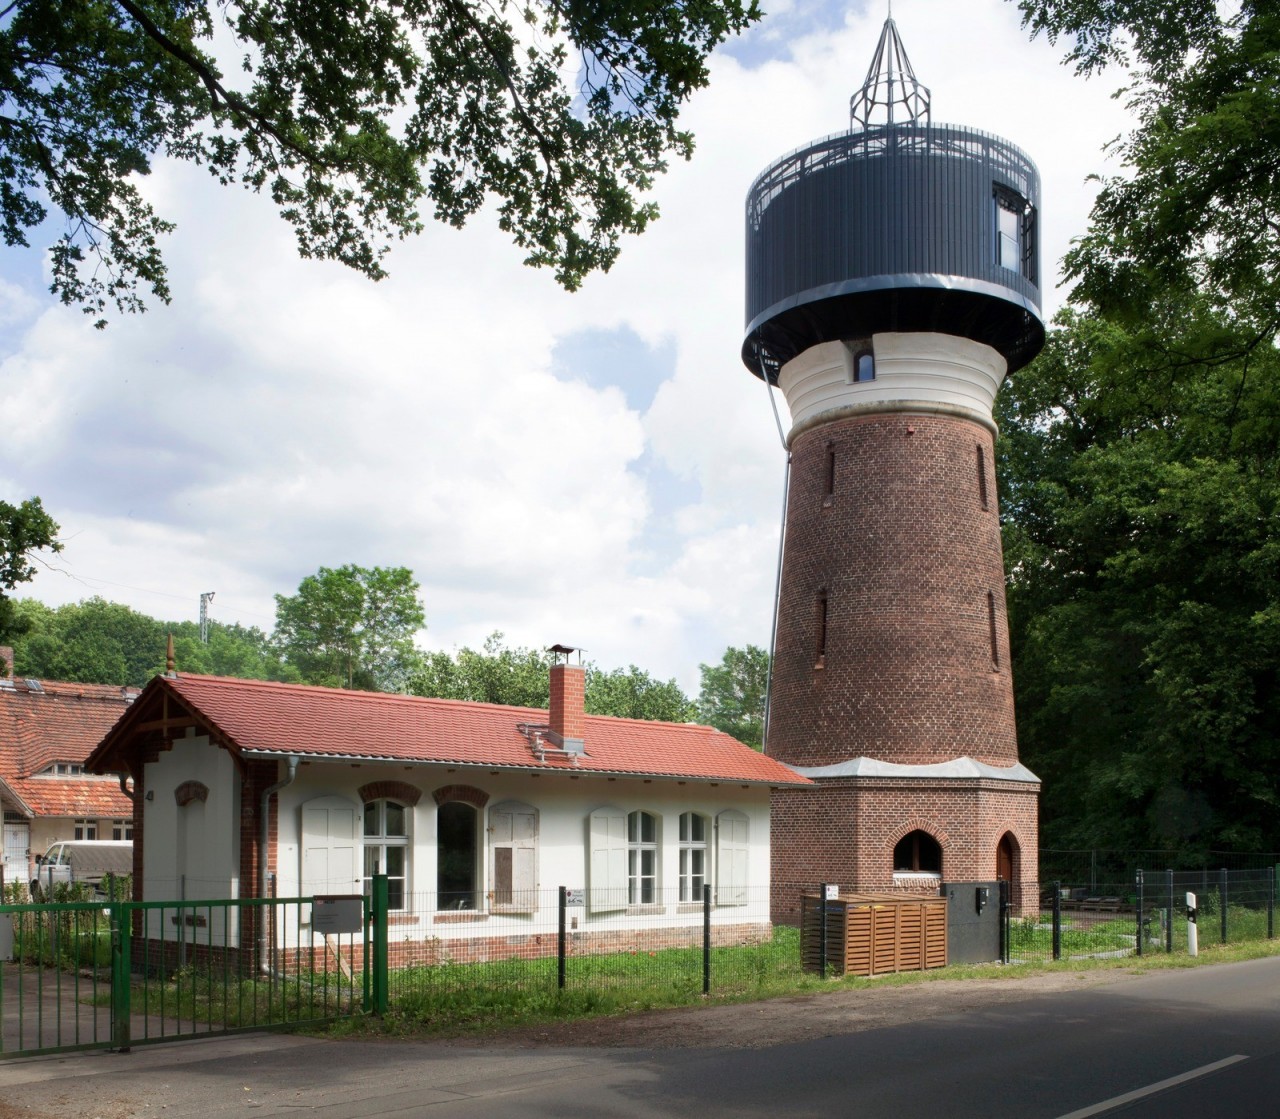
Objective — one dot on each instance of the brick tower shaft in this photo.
(892, 640)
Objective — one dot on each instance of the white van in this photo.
(81, 860)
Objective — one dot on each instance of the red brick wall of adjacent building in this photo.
(892, 521)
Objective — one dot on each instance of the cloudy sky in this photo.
(594, 468)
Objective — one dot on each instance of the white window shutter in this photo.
(513, 844)
(330, 844)
(607, 860)
(733, 855)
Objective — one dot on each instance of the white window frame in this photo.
(85, 830)
(695, 862)
(644, 885)
(379, 842)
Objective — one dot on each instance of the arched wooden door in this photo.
(1004, 857)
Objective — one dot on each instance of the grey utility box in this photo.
(973, 922)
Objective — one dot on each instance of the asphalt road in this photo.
(1200, 1043)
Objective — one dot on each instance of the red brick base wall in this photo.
(844, 833)
(164, 957)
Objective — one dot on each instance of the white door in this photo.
(17, 838)
(330, 847)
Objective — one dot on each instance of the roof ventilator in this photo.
(544, 742)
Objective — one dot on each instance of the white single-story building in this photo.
(477, 813)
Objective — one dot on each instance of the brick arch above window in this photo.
(400, 791)
(188, 791)
(468, 794)
(931, 828)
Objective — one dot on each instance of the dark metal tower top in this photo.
(891, 94)
(898, 225)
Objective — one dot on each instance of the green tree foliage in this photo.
(100, 642)
(496, 674)
(24, 530)
(1139, 479)
(244, 652)
(351, 116)
(519, 677)
(631, 693)
(1141, 494)
(352, 627)
(732, 694)
(1198, 205)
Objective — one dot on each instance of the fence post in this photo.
(561, 938)
(366, 996)
(1271, 906)
(1222, 900)
(706, 938)
(1141, 905)
(822, 931)
(1168, 917)
(121, 1007)
(1057, 919)
(381, 961)
(1006, 909)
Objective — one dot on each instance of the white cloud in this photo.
(284, 414)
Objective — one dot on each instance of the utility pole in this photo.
(205, 599)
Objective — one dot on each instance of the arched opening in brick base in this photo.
(918, 851)
(1007, 865)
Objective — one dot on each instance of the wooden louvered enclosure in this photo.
(871, 934)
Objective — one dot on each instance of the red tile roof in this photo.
(261, 717)
(58, 722)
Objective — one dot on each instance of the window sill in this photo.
(646, 910)
(394, 918)
(689, 907)
(460, 917)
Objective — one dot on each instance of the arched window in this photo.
(386, 847)
(917, 852)
(456, 855)
(642, 858)
(693, 855)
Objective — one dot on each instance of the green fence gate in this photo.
(111, 975)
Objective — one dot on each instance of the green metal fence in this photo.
(1144, 912)
(86, 975)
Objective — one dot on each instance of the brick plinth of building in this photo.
(163, 957)
(844, 832)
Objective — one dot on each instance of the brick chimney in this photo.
(568, 695)
(6, 662)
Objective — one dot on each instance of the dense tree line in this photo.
(1140, 485)
(355, 627)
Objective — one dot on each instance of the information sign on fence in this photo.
(337, 913)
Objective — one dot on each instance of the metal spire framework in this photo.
(891, 90)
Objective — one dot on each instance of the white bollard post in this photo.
(1193, 935)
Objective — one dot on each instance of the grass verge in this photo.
(460, 1000)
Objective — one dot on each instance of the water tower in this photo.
(893, 281)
